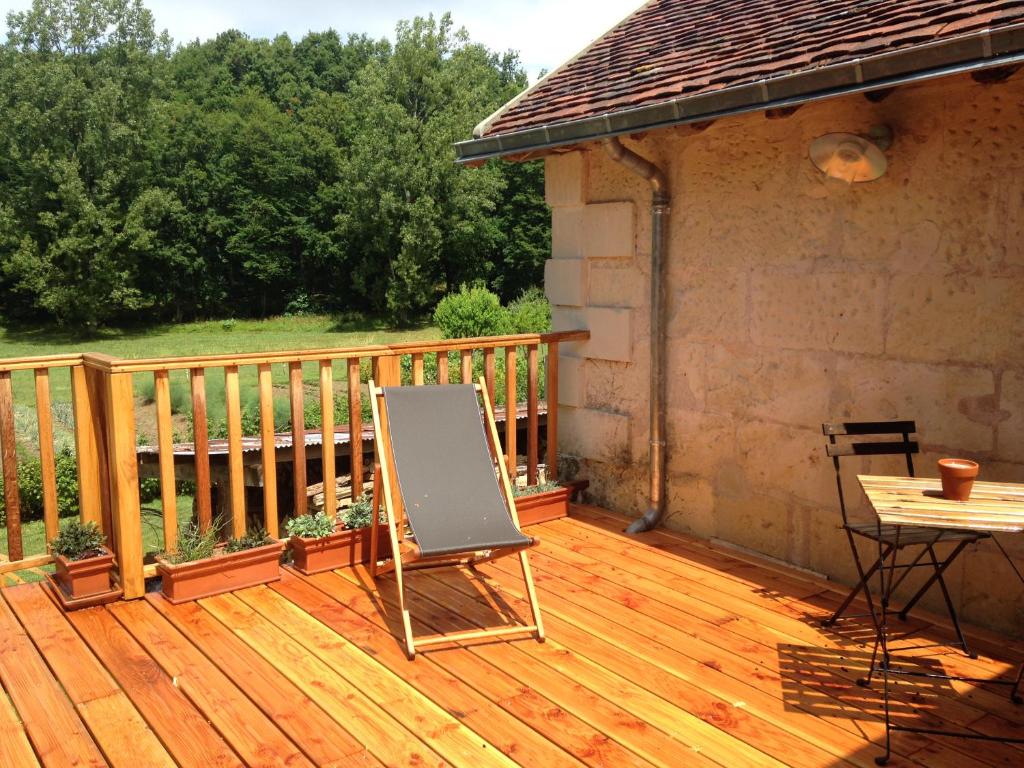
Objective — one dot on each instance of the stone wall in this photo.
(795, 299)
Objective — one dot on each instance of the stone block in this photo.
(614, 386)
(954, 406)
(570, 381)
(609, 231)
(832, 311)
(565, 282)
(690, 506)
(565, 179)
(593, 434)
(611, 334)
(618, 284)
(778, 385)
(699, 443)
(1011, 431)
(567, 232)
(956, 319)
(709, 305)
(786, 462)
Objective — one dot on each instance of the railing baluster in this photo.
(165, 442)
(442, 367)
(327, 436)
(511, 410)
(47, 458)
(9, 458)
(268, 449)
(295, 395)
(467, 366)
(551, 397)
(355, 427)
(236, 463)
(532, 420)
(417, 369)
(490, 372)
(201, 449)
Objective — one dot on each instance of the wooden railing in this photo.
(106, 408)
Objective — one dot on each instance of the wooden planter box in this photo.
(78, 579)
(339, 550)
(222, 573)
(541, 507)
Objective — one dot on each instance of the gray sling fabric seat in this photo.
(446, 473)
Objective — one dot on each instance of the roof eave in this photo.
(967, 53)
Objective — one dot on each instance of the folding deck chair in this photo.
(445, 460)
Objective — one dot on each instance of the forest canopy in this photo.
(143, 181)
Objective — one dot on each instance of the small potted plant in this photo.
(200, 567)
(542, 502)
(84, 564)
(320, 544)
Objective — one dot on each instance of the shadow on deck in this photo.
(662, 651)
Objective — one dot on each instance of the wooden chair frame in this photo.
(406, 555)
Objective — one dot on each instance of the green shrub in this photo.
(533, 490)
(30, 487)
(359, 514)
(531, 312)
(471, 312)
(78, 541)
(194, 543)
(316, 526)
(253, 538)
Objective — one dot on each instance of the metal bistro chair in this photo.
(864, 441)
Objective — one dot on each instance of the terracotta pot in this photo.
(224, 572)
(85, 578)
(338, 550)
(541, 507)
(957, 478)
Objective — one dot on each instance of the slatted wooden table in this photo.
(997, 507)
(908, 501)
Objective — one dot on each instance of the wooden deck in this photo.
(662, 651)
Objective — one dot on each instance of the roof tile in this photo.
(669, 48)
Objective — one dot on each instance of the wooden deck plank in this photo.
(320, 737)
(116, 727)
(791, 628)
(256, 738)
(604, 713)
(436, 727)
(349, 610)
(384, 736)
(183, 730)
(15, 749)
(57, 733)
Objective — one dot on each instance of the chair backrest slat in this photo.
(888, 448)
(857, 445)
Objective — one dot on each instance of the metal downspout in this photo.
(660, 209)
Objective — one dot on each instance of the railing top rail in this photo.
(112, 365)
(44, 361)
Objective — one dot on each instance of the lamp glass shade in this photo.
(848, 157)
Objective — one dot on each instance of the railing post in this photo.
(9, 459)
(124, 482)
(91, 445)
(551, 396)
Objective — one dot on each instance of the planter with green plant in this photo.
(320, 544)
(84, 564)
(542, 502)
(200, 567)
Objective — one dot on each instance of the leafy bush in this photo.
(78, 541)
(473, 311)
(531, 312)
(316, 526)
(30, 487)
(194, 543)
(360, 514)
(256, 537)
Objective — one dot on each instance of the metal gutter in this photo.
(967, 53)
(661, 207)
